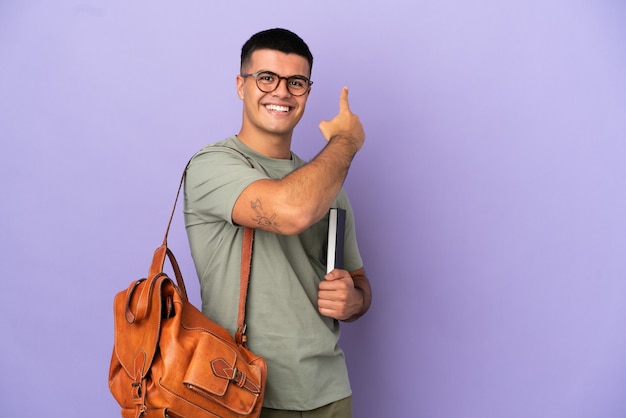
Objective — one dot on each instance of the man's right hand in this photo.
(345, 124)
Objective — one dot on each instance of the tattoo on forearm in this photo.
(262, 219)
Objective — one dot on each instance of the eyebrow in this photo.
(287, 76)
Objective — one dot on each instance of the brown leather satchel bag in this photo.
(170, 360)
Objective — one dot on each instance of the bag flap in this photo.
(217, 372)
(210, 350)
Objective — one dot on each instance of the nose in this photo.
(281, 90)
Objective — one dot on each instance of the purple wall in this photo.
(490, 193)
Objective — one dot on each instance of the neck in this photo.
(270, 145)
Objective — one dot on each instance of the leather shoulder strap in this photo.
(158, 259)
(246, 265)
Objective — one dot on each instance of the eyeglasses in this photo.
(268, 81)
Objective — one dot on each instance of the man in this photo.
(293, 307)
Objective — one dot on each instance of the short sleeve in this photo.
(215, 178)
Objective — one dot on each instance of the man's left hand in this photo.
(338, 298)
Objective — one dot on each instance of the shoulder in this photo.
(225, 153)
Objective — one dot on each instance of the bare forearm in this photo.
(292, 204)
(311, 189)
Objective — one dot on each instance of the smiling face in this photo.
(269, 118)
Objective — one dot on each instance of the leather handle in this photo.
(177, 274)
(158, 262)
(138, 310)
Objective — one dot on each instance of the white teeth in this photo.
(277, 108)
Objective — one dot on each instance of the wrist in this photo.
(345, 140)
(359, 306)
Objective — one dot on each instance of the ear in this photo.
(240, 81)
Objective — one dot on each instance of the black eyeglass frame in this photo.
(308, 82)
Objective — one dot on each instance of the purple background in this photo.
(490, 193)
